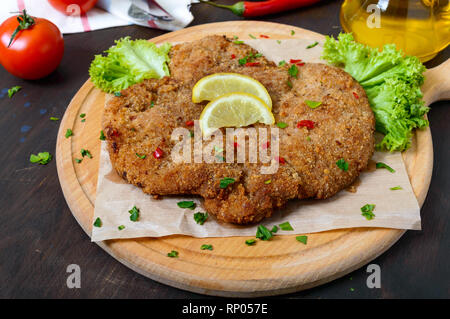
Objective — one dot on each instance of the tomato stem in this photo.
(25, 22)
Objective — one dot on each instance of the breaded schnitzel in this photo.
(141, 121)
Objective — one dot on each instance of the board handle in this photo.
(437, 83)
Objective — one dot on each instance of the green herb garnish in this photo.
(303, 239)
(102, 136)
(268, 181)
(69, 133)
(251, 36)
(395, 188)
(54, 118)
(42, 158)
(382, 165)
(281, 63)
(312, 104)
(367, 211)
(312, 45)
(117, 93)
(278, 41)
(292, 32)
(263, 233)
(173, 254)
(238, 42)
(14, 90)
(78, 160)
(274, 229)
(293, 71)
(200, 218)
(82, 115)
(152, 104)
(206, 247)
(289, 83)
(282, 125)
(121, 227)
(286, 226)
(186, 204)
(134, 214)
(224, 182)
(250, 242)
(98, 222)
(85, 153)
(342, 164)
(141, 156)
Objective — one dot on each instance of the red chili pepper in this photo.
(236, 145)
(280, 159)
(264, 36)
(265, 146)
(295, 61)
(355, 95)
(260, 8)
(306, 123)
(300, 64)
(158, 153)
(252, 64)
(233, 56)
(189, 123)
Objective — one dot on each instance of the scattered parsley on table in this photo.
(200, 218)
(186, 204)
(42, 158)
(14, 90)
(303, 239)
(367, 211)
(134, 214)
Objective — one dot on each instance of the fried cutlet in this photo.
(143, 117)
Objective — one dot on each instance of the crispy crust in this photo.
(344, 127)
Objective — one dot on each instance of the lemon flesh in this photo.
(234, 110)
(212, 86)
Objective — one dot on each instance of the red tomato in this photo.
(61, 5)
(35, 52)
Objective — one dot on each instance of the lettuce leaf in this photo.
(392, 82)
(129, 62)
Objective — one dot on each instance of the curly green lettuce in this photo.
(392, 82)
(129, 62)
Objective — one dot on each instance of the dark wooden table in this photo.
(40, 238)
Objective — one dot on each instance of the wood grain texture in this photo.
(232, 269)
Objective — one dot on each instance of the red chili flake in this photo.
(251, 63)
(300, 64)
(264, 36)
(306, 123)
(280, 159)
(233, 56)
(236, 145)
(265, 145)
(293, 61)
(114, 133)
(189, 123)
(355, 95)
(158, 153)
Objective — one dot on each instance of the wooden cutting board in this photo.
(268, 268)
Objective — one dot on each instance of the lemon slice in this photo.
(212, 86)
(234, 110)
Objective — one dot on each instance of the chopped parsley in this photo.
(224, 182)
(279, 41)
(134, 214)
(54, 118)
(249, 58)
(268, 181)
(282, 125)
(313, 104)
(82, 115)
(303, 239)
(206, 247)
(83, 120)
(312, 45)
(102, 136)
(143, 156)
(238, 42)
(250, 242)
(274, 229)
(289, 83)
(367, 211)
(281, 63)
(292, 32)
(293, 71)
(14, 90)
(263, 233)
(85, 153)
(42, 158)
(186, 204)
(200, 218)
(69, 133)
(395, 188)
(117, 94)
(342, 164)
(173, 254)
(286, 226)
(251, 36)
(382, 165)
(78, 160)
(152, 104)
(121, 227)
(98, 222)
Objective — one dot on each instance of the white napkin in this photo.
(159, 14)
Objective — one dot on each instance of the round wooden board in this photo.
(232, 269)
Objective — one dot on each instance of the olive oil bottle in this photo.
(418, 27)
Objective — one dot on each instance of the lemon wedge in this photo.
(234, 110)
(212, 86)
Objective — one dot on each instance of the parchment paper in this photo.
(162, 217)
